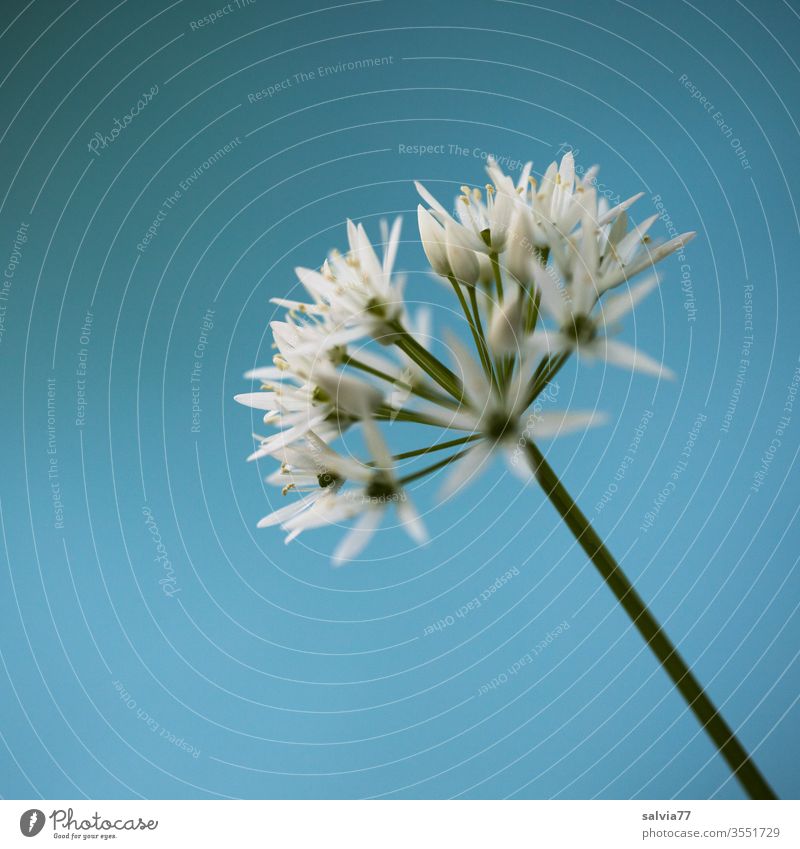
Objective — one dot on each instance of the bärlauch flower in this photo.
(347, 490)
(482, 220)
(300, 402)
(494, 413)
(587, 330)
(357, 290)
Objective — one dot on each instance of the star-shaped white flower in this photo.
(587, 329)
(355, 490)
(499, 416)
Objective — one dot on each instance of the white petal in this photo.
(431, 200)
(519, 250)
(547, 342)
(466, 469)
(357, 537)
(412, 523)
(516, 462)
(257, 400)
(567, 169)
(505, 327)
(462, 260)
(347, 392)
(612, 213)
(377, 445)
(316, 285)
(620, 354)
(554, 299)
(550, 424)
(265, 373)
(614, 308)
(283, 514)
(390, 252)
(433, 241)
(475, 382)
(288, 436)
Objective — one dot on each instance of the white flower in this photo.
(371, 491)
(553, 249)
(587, 332)
(305, 469)
(299, 403)
(358, 290)
(603, 253)
(498, 416)
(557, 204)
(482, 220)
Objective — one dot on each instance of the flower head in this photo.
(545, 254)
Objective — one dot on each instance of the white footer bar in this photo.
(401, 824)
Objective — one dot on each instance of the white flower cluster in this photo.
(530, 264)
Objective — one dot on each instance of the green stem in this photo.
(440, 446)
(473, 297)
(421, 391)
(477, 337)
(737, 758)
(546, 371)
(434, 468)
(498, 280)
(532, 312)
(385, 413)
(476, 310)
(426, 361)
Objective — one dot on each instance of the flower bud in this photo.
(433, 241)
(462, 260)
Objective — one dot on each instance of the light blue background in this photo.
(290, 678)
